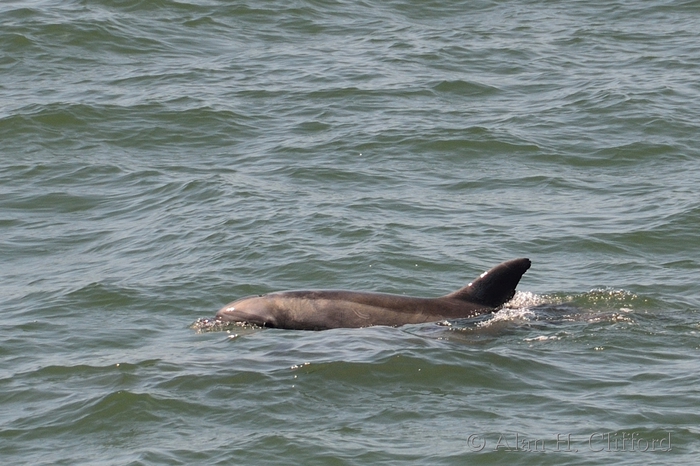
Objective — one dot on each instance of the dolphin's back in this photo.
(324, 309)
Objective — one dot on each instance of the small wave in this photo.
(461, 87)
(510, 315)
(543, 338)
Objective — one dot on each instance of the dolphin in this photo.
(326, 309)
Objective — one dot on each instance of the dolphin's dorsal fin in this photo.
(495, 287)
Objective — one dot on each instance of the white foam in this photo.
(523, 299)
(509, 315)
(517, 309)
(543, 338)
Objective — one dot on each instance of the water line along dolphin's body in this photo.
(326, 309)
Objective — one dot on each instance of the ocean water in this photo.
(159, 159)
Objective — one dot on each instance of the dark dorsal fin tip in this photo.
(496, 286)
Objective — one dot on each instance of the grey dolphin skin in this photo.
(326, 309)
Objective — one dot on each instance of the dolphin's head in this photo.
(257, 310)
